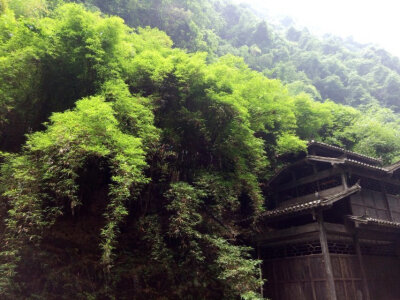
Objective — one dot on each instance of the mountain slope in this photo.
(341, 70)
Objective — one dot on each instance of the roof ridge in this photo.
(365, 220)
(393, 167)
(344, 160)
(378, 160)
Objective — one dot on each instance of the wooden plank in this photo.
(284, 169)
(312, 281)
(342, 276)
(360, 261)
(308, 179)
(296, 240)
(301, 231)
(311, 197)
(331, 191)
(289, 232)
(373, 176)
(335, 228)
(371, 232)
(327, 260)
(276, 287)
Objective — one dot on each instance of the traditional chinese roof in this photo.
(345, 161)
(320, 203)
(333, 161)
(393, 167)
(372, 221)
(372, 160)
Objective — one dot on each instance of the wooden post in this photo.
(326, 257)
(294, 180)
(385, 198)
(344, 181)
(363, 273)
(317, 181)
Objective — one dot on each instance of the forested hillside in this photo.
(133, 167)
(342, 70)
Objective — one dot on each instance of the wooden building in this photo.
(332, 230)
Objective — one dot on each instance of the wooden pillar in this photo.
(317, 181)
(344, 181)
(294, 182)
(326, 257)
(385, 198)
(276, 287)
(361, 262)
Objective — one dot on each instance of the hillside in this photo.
(344, 71)
(133, 161)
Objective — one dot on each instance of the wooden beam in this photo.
(373, 176)
(335, 228)
(288, 232)
(361, 262)
(326, 257)
(304, 238)
(366, 233)
(308, 179)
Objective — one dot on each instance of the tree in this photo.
(3, 6)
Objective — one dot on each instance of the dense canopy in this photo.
(133, 162)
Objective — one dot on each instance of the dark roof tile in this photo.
(373, 159)
(323, 202)
(372, 221)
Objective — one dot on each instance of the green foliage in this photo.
(341, 70)
(375, 133)
(233, 264)
(290, 144)
(3, 6)
(74, 136)
(311, 116)
(149, 157)
(50, 166)
(192, 111)
(134, 113)
(20, 49)
(235, 269)
(52, 62)
(28, 8)
(184, 204)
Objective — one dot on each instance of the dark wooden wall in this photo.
(304, 278)
(376, 204)
(371, 203)
(394, 204)
(295, 278)
(348, 278)
(383, 274)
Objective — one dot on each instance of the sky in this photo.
(368, 21)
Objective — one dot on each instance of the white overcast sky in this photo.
(368, 21)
